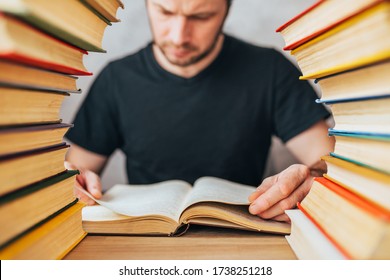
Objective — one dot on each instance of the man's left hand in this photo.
(281, 192)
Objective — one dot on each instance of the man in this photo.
(197, 102)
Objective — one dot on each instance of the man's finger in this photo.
(92, 184)
(282, 218)
(81, 195)
(288, 203)
(264, 186)
(287, 182)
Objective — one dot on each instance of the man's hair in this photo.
(229, 2)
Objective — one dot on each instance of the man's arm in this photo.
(282, 191)
(90, 165)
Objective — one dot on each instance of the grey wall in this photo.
(252, 20)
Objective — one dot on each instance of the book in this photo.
(52, 239)
(365, 115)
(107, 8)
(361, 40)
(21, 42)
(23, 76)
(368, 183)
(320, 17)
(68, 20)
(358, 228)
(365, 149)
(169, 207)
(23, 209)
(369, 81)
(24, 168)
(24, 107)
(307, 241)
(24, 138)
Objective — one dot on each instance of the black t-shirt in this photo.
(217, 123)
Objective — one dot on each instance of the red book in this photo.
(23, 43)
(319, 18)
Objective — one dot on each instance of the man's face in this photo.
(186, 30)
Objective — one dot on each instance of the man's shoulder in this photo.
(245, 47)
(130, 61)
(244, 52)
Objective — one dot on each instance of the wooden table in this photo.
(199, 243)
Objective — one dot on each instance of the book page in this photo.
(163, 198)
(218, 190)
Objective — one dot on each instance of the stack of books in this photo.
(42, 44)
(345, 47)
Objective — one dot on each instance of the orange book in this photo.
(319, 18)
(357, 227)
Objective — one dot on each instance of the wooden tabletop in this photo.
(199, 243)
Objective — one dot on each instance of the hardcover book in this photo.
(368, 183)
(319, 18)
(369, 81)
(24, 168)
(50, 240)
(68, 20)
(369, 150)
(307, 241)
(26, 107)
(23, 76)
(24, 138)
(22, 43)
(364, 115)
(357, 227)
(363, 37)
(107, 8)
(23, 209)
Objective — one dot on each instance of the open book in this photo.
(168, 208)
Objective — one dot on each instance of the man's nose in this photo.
(180, 31)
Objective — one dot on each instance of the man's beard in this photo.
(186, 47)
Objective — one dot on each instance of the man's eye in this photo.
(166, 13)
(205, 17)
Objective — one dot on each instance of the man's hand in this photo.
(87, 180)
(281, 192)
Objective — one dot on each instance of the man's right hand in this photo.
(87, 180)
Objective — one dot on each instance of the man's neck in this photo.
(193, 69)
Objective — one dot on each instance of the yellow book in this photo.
(369, 81)
(365, 182)
(21, 210)
(361, 40)
(50, 240)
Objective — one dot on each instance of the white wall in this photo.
(252, 20)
